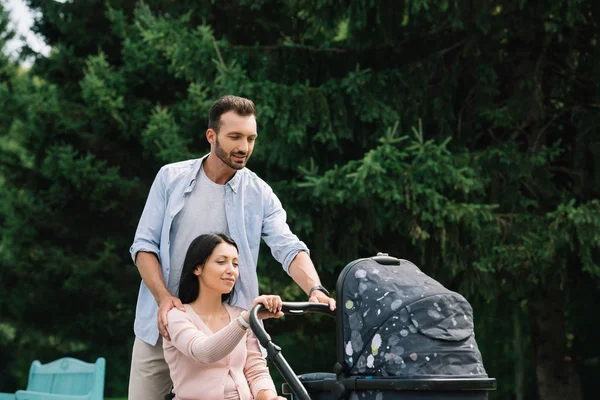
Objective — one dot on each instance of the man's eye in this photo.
(235, 265)
(251, 139)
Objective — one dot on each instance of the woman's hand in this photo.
(268, 395)
(272, 307)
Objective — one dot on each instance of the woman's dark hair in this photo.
(199, 251)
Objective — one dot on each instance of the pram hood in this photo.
(398, 322)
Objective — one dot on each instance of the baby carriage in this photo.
(400, 336)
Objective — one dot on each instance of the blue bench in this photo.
(63, 379)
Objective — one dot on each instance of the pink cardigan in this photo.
(200, 360)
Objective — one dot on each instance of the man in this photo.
(213, 194)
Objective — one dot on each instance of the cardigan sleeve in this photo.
(255, 370)
(197, 345)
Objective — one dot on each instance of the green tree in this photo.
(7, 72)
(460, 135)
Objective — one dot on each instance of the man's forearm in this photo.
(150, 270)
(303, 272)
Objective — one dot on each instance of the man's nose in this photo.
(243, 147)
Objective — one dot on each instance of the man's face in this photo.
(235, 141)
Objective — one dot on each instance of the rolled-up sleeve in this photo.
(147, 235)
(276, 233)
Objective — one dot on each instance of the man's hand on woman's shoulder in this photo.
(164, 306)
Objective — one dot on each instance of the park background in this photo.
(459, 134)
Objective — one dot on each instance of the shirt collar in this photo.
(233, 183)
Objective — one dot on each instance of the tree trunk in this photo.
(519, 355)
(557, 378)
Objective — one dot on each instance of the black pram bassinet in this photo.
(400, 335)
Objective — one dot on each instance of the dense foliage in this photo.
(458, 134)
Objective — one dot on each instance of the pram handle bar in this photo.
(299, 308)
(274, 351)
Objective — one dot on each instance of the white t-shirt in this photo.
(203, 212)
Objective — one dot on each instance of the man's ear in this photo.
(211, 136)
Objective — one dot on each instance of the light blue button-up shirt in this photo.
(252, 211)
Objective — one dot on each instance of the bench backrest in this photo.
(68, 376)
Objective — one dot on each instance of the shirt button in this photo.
(171, 216)
(167, 268)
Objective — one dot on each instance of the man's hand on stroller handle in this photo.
(303, 271)
(318, 296)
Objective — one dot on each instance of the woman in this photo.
(212, 354)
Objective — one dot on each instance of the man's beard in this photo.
(226, 158)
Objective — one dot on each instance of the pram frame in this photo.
(344, 384)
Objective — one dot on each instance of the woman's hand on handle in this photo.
(268, 395)
(272, 304)
(272, 307)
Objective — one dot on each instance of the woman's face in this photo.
(220, 271)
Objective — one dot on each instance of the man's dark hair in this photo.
(239, 105)
(199, 251)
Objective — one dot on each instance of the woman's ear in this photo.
(198, 270)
